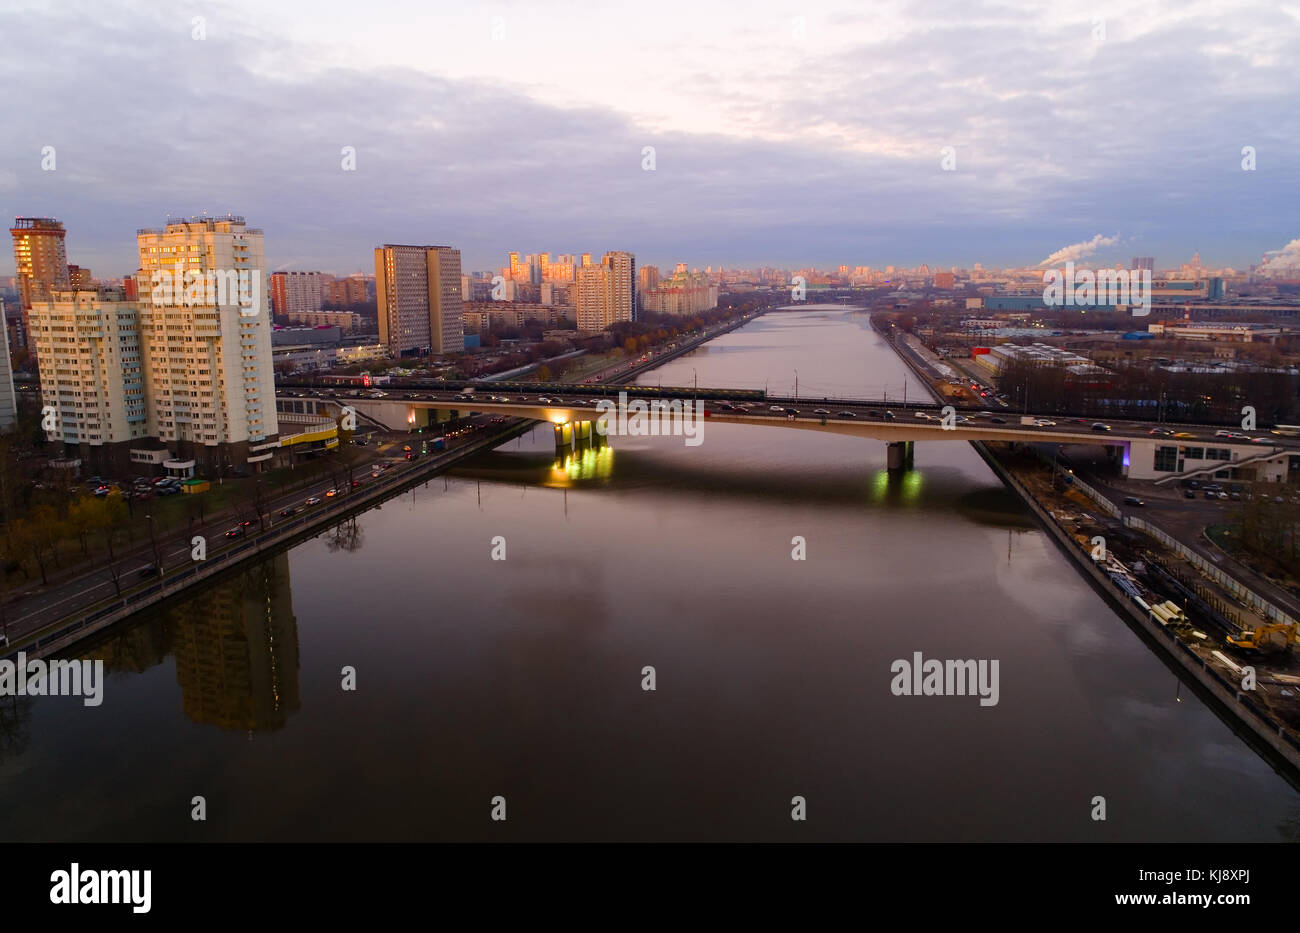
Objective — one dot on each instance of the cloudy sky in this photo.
(784, 133)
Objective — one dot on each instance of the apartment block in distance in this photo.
(205, 336)
(296, 292)
(41, 260)
(606, 292)
(418, 292)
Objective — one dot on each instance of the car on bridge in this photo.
(845, 414)
(776, 408)
(1184, 435)
(1044, 423)
(889, 416)
(1100, 426)
(314, 500)
(820, 411)
(1133, 500)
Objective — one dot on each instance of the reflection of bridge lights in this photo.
(880, 485)
(410, 418)
(583, 465)
(911, 486)
(906, 487)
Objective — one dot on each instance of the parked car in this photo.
(1189, 494)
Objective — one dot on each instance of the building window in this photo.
(1167, 459)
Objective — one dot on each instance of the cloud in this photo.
(1078, 250)
(769, 149)
(1282, 263)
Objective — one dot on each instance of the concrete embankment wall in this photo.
(1245, 716)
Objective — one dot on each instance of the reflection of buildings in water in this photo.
(134, 649)
(236, 648)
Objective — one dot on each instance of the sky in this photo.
(784, 133)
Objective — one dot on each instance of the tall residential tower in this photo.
(418, 290)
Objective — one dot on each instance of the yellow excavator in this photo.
(1275, 637)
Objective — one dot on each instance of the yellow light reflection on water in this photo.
(591, 463)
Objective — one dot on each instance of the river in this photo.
(523, 678)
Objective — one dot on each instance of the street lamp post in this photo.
(796, 385)
(695, 381)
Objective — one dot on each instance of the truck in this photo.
(1030, 420)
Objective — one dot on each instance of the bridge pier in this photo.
(576, 435)
(899, 455)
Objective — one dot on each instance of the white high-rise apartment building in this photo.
(205, 335)
(88, 353)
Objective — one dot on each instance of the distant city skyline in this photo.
(780, 136)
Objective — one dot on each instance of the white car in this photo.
(776, 408)
(1044, 423)
(921, 414)
(1222, 433)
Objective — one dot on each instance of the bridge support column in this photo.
(896, 456)
(563, 438)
